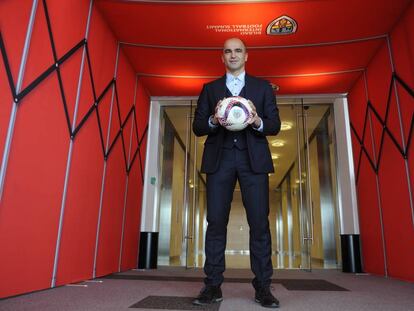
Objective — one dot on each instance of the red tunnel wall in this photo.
(42, 160)
(384, 197)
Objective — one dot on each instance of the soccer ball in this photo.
(234, 113)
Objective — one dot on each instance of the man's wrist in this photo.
(258, 127)
(211, 121)
(256, 124)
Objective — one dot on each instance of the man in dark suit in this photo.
(231, 156)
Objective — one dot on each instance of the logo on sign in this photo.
(283, 25)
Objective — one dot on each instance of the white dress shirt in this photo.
(235, 84)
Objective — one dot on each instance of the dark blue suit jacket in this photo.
(261, 94)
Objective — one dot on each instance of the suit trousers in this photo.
(235, 165)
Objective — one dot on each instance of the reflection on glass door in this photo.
(182, 191)
(302, 191)
(194, 198)
(290, 192)
(304, 200)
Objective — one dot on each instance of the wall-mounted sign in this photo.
(240, 29)
(283, 25)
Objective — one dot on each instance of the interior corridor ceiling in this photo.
(175, 46)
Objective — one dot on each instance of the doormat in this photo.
(309, 284)
(172, 303)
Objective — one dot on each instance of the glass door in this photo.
(194, 198)
(182, 189)
(304, 191)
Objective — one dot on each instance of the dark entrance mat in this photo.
(289, 284)
(309, 284)
(172, 303)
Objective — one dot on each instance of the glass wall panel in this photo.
(302, 191)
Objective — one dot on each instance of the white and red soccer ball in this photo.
(234, 113)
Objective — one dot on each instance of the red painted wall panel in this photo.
(112, 209)
(402, 40)
(393, 183)
(398, 217)
(357, 107)
(378, 79)
(369, 222)
(6, 100)
(82, 197)
(102, 47)
(82, 205)
(103, 50)
(357, 104)
(34, 180)
(370, 143)
(398, 226)
(14, 20)
(378, 84)
(68, 22)
(143, 151)
(393, 119)
(406, 106)
(133, 219)
(410, 163)
(32, 199)
(32, 195)
(70, 75)
(14, 33)
(40, 56)
(356, 149)
(142, 107)
(86, 98)
(114, 124)
(125, 85)
(115, 181)
(373, 136)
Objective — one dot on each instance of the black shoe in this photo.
(208, 295)
(265, 298)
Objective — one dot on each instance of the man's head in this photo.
(234, 56)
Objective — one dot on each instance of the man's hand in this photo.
(214, 119)
(255, 121)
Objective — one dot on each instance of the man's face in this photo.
(234, 55)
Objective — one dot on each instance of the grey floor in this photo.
(364, 292)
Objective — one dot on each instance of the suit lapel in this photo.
(249, 87)
(220, 88)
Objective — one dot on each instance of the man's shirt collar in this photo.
(240, 77)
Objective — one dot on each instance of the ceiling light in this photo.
(286, 126)
(278, 143)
